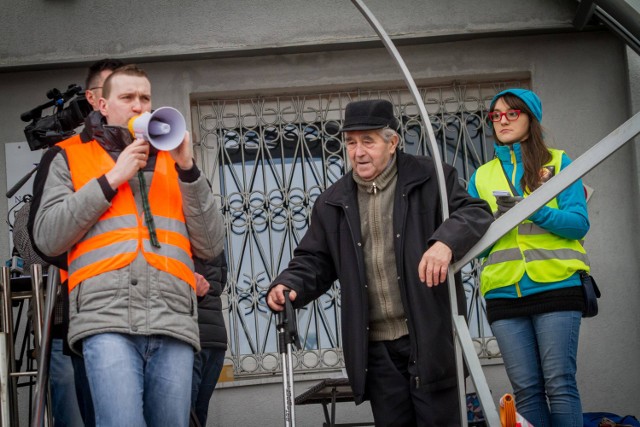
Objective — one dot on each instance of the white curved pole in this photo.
(460, 327)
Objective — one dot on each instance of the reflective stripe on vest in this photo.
(115, 240)
(544, 256)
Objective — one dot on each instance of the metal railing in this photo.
(39, 316)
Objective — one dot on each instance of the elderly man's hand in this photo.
(275, 297)
(434, 264)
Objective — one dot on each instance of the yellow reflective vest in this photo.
(544, 256)
(120, 233)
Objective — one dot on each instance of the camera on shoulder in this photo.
(46, 131)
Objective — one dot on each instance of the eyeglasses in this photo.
(496, 116)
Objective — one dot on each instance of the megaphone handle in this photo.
(148, 217)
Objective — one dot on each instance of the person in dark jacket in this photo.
(379, 231)
(207, 363)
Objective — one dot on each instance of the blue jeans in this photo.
(66, 412)
(139, 380)
(539, 354)
(207, 365)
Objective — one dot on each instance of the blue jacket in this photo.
(570, 220)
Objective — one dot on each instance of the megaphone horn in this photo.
(164, 128)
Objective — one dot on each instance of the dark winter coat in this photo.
(213, 333)
(331, 249)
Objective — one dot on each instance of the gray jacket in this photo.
(137, 299)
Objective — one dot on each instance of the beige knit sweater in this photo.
(387, 320)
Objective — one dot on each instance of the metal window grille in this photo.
(270, 157)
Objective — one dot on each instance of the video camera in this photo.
(47, 131)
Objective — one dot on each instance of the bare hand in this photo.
(183, 153)
(130, 161)
(275, 297)
(202, 286)
(434, 264)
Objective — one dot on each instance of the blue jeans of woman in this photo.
(139, 380)
(539, 354)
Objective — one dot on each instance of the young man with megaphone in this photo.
(130, 238)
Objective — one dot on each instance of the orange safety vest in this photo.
(72, 140)
(120, 233)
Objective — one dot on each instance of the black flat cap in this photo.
(367, 115)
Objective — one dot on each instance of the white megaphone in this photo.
(164, 128)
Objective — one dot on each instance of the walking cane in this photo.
(287, 338)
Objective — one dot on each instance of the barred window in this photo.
(269, 159)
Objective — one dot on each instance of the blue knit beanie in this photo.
(528, 97)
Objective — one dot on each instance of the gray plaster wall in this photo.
(80, 31)
(587, 82)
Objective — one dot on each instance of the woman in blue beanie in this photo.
(530, 277)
